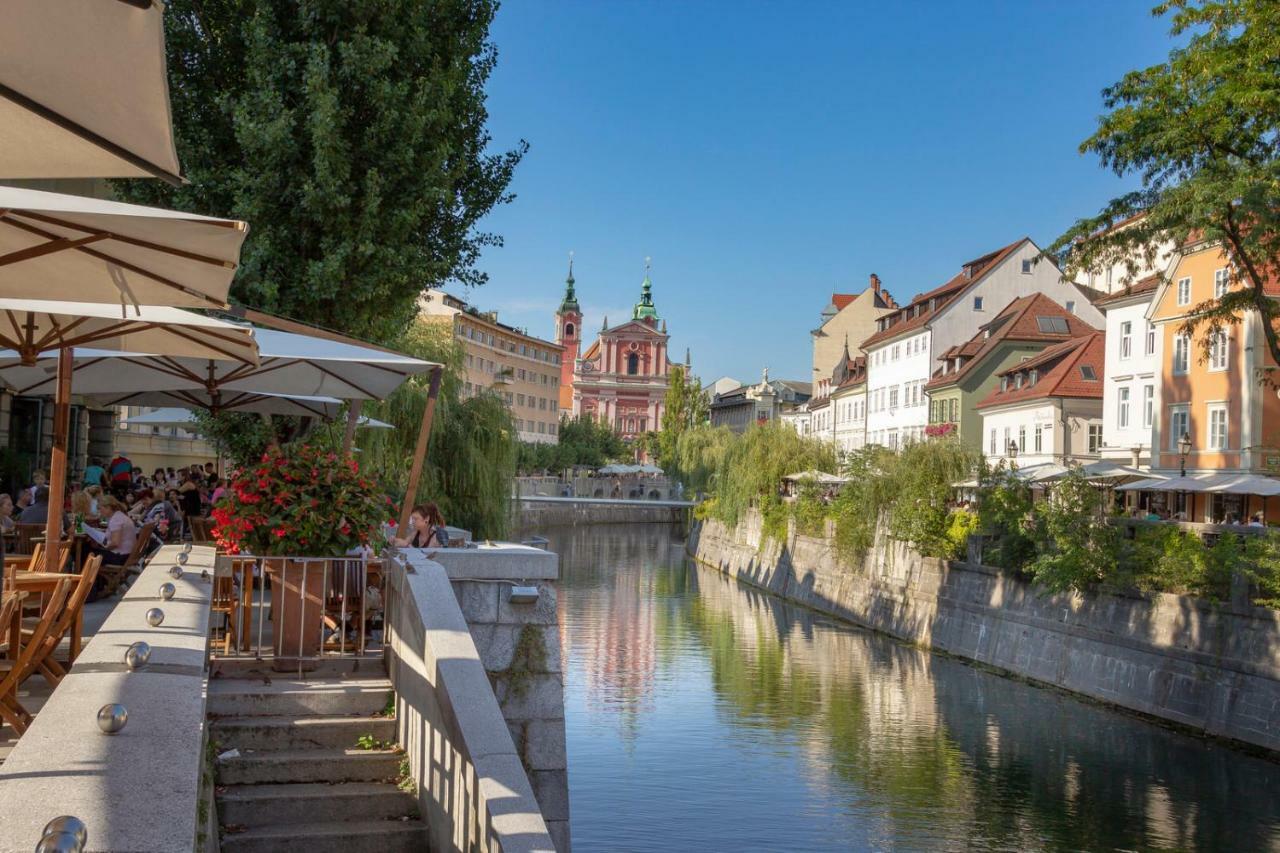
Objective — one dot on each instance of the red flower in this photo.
(280, 532)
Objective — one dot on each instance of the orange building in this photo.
(1210, 390)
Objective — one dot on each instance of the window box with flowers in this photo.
(939, 430)
(299, 502)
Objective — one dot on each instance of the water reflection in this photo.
(705, 715)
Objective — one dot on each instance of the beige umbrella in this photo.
(35, 327)
(56, 246)
(84, 91)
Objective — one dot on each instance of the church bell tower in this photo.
(568, 335)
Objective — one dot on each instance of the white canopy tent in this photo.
(820, 477)
(84, 91)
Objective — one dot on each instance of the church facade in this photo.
(621, 377)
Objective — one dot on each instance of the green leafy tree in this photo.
(351, 136)
(686, 407)
(1200, 131)
(1077, 548)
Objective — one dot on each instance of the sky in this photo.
(766, 154)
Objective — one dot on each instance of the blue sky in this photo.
(766, 154)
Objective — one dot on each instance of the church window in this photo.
(568, 330)
(633, 364)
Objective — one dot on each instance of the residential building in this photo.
(1209, 388)
(848, 317)
(849, 403)
(797, 418)
(967, 373)
(1125, 272)
(1131, 381)
(767, 400)
(521, 369)
(1047, 408)
(622, 377)
(152, 447)
(908, 341)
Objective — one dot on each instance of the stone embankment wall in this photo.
(534, 513)
(1212, 669)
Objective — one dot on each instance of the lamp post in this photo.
(1013, 449)
(1184, 447)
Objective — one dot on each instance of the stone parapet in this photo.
(137, 790)
(1211, 668)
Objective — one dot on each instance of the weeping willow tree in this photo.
(699, 452)
(752, 467)
(472, 455)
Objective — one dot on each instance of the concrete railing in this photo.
(472, 787)
(140, 789)
(626, 487)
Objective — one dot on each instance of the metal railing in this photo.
(303, 608)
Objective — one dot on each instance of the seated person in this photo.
(426, 523)
(189, 492)
(165, 515)
(6, 513)
(117, 543)
(38, 511)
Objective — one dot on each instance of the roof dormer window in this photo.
(1034, 376)
(1004, 384)
(1017, 381)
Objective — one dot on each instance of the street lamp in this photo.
(1013, 449)
(1184, 447)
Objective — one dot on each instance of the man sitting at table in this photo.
(38, 511)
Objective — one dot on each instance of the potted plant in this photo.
(298, 501)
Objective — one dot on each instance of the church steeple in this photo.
(570, 301)
(644, 309)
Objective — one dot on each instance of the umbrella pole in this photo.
(420, 452)
(58, 462)
(353, 419)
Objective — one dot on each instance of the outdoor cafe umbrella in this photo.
(186, 419)
(325, 408)
(32, 328)
(84, 91)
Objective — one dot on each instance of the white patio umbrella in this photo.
(84, 91)
(325, 408)
(35, 327)
(166, 417)
(64, 246)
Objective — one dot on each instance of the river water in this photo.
(703, 715)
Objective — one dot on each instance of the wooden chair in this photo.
(18, 669)
(225, 600)
(48, 666)
(10, 620)
(113, 575)
(23, 534)
(201, 530)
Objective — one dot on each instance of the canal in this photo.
(703, 715)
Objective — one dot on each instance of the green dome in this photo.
(644, 309)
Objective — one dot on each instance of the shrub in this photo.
(960, 525)
(1077, 547)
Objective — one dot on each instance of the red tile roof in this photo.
(855, 372)
(842, 300)
(1146, 285)
(1019, 321)
(1060, 373)
(916, 314)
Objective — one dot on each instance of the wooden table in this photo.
(43, 583)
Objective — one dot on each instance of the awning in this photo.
(326, 408)
(84, 91)
(816, 476)
(1247, 484)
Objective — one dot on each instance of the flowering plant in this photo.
(299, 500)
(939, 430)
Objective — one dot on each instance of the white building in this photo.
(849, 403)
(903, 351)
(1047, 408)
(1131, 375)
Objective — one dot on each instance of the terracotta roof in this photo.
(854, 373)
(1146, 285)
(842, 300)
(1019, 321)
(1061, 372)
(971, 273)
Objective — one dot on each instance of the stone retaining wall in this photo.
(473, 787)
(534, 513)
(1212, 669)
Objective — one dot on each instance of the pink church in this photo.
(622, 377)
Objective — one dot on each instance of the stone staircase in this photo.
(303, 781)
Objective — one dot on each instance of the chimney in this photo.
(875, 283)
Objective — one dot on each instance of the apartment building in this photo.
(523, 370)
(909, 341)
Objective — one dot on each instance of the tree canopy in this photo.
(351, 136)
(686, 406)
(1202, 133)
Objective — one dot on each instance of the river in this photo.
(704, 715)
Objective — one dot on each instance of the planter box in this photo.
(297, 611)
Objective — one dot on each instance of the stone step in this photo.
(264, 733)
(375, 836)
(370, 665)
(310, 765)
(262, 805)
(246, 697)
